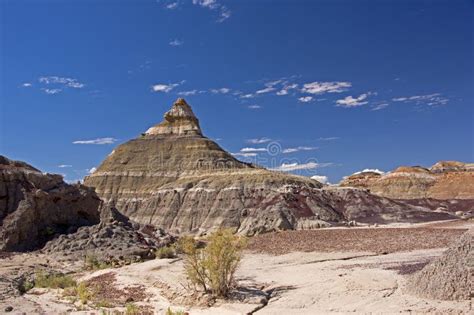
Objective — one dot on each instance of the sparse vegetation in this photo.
(169, 311)
(213, 267)
(132, 309)
(79, 292)
(54, 281)
(91, 262)
(165, 252)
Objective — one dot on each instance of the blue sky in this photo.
(339, 86)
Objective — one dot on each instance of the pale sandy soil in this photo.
(314, 282)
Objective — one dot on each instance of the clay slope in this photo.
(35, 206)
(175, 178)
(443, 181)
(450, 276)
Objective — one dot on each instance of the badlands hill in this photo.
(444, 180)
(175, 178)
(36, 206)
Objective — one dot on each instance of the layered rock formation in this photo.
(175, 178)
(444, 180)
(35, 206)
(450, 276)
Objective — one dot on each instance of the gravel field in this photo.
(377, 240)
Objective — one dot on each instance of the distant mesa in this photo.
(444, 180)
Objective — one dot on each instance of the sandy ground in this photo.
(365, 280)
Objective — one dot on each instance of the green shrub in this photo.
(213, 267)
(91, 262)
(169, 311)
(132, 309)
(55, 281)
(165, 252)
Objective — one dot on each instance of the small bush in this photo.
(165, 252)
(83, 293)
(54, 281)
(169, 311)
(132, 309)
(213, 268)
(91, 262)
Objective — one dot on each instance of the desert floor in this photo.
(340, 270)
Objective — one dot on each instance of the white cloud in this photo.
(297, 149)
(172, 5)
(224, 12)
(92, 170)
(259, 140)
(253, 150)
(265, 90)
(380, 106)
(325, 87)
(350, 101)
(296, 166)
(373, 170)
(305, 99)
(328, 138)
(320, 178)
(247, 96)
(51, 91)
(223, 90)
(67, 82)
(254, 107)
(107, 140)
(285, 90)
(64, 165)
(249, 154)
(429, 99)
(176, 42)
(27, 84)
(187, 93)
(165, 88)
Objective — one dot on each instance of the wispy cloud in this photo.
(328, 138)
(245, 154)
(266, 90)
(258, 140)
(429, 99)
(67, 82)
(107, 140)
(92, 170)
(64, 166)
(172, 5)
(176, 42)
(351, 101)
(254, 107)
(224, 12)
(288, 167)
(165, 88)
(305, 99)
(286, 89)
(253, 150)
(247, 95)
(27, 84)
(188, 93)
(297, 149)
(51, 91)
(325, 87)
(380, 106)
(223, 90)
